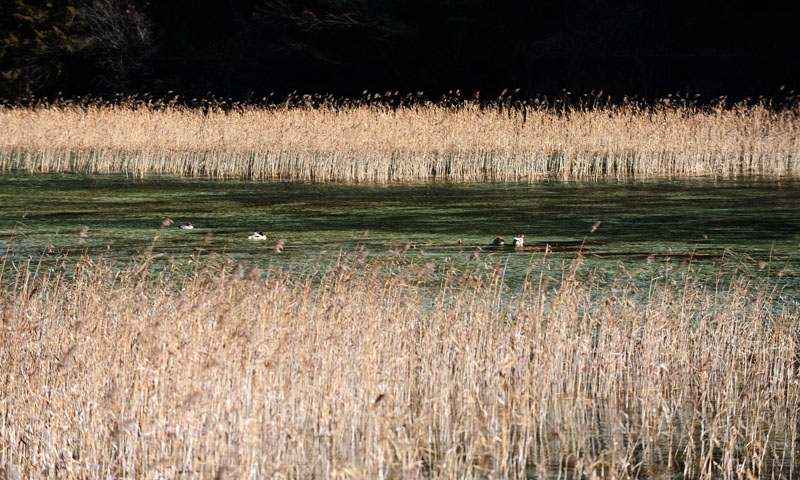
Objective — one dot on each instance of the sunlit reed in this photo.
(391, 369)
(364, 142)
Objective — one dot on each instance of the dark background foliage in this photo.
(251, 48)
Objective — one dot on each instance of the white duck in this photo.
(257, 236)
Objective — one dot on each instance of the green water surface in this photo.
(753, 223)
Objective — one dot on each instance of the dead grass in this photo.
(390, 370)
(370, 142)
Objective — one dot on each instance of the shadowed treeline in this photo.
(249, 48)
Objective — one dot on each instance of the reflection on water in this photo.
(755, 223)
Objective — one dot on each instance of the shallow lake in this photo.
(750, 224)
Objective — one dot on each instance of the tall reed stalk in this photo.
(364, 142)
(397, 370)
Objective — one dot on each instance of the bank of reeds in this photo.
(373, 142)
(398, 370)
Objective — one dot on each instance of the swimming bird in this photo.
(518, 241)
(186, 226)
(498, 240)
(257, 236)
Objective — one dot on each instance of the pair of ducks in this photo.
(253, 236)
(518, 241)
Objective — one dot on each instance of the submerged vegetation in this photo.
(402, 141)
(392, 368)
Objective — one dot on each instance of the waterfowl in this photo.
(518, 241)
(498, 240)
(186, 226)
(257, 236)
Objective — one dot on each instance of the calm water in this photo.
(754, 223)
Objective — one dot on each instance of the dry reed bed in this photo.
(418, 142)
(400, 370)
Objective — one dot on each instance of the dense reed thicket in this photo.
(377, 142)
(391, 369)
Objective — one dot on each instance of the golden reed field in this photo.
(373, 142)
(392, 368)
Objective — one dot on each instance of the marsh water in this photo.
(747, 224)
